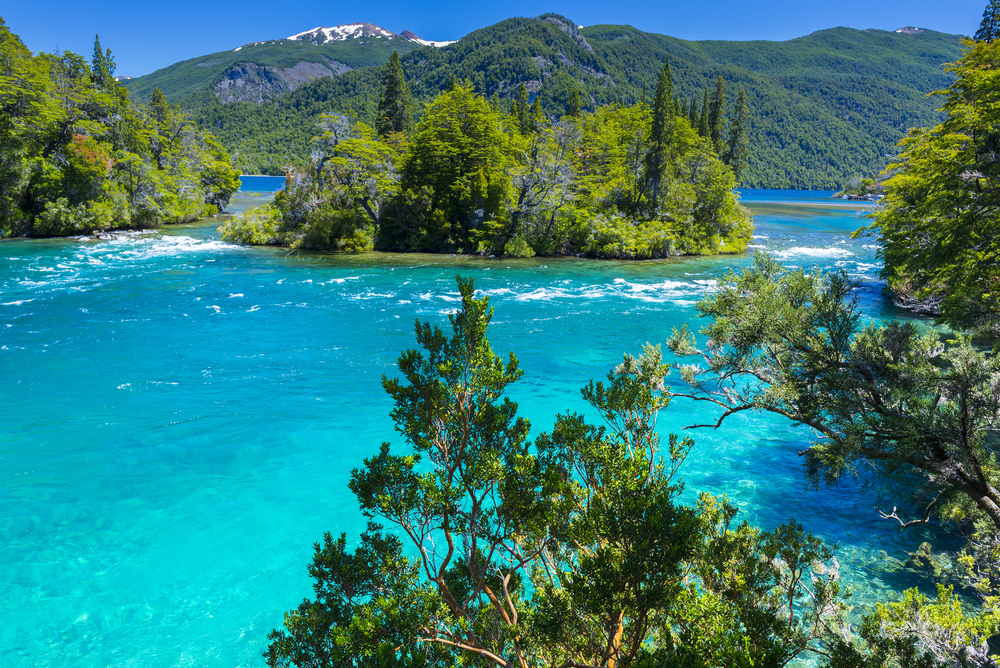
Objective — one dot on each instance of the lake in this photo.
(181, 416)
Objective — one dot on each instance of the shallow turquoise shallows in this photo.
(181, 417)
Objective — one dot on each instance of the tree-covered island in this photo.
(478, 175)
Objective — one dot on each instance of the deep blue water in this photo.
(253, 183)
(181, 416)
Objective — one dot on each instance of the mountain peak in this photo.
(910, 30)
(323, 35)
(342, 33)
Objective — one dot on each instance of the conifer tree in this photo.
(537, 120)
(158, 103)
(737, 150)
(103, 65)
(573, 106)
(521, 109)
(395, 108)
(717, 114)
(659, 135)
(692, 111)
(452, 84)
(989, 29)
(703, 125)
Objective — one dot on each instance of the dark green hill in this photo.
(826, 107)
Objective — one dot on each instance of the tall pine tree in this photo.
(989, 29)
(738, 150)
(703, 126)
(521, 110)
(102, 65)
(717, 114)
(573, 106)
(659, 135)
(395, 108)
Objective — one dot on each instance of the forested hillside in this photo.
(274, 66)
(826, 107)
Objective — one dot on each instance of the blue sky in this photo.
(145, 36)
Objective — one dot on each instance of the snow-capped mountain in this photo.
(341, 33)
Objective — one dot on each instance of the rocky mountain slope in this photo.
(260, 71)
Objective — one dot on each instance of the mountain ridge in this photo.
(827, 107)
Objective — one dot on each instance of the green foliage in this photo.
(258, 226)
(989, 28)
(78, 154)
(573, 550)
(471, 180)
(883, 399)
(458, 156)
(918, 632)
(716, 113)
(940, 223)
(737, 146)
(827, 106)
(395, 108)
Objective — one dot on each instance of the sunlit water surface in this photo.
(181, 416)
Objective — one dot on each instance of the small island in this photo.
(478, 176)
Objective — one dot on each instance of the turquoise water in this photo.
(180, 417)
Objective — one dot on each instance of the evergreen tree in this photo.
(102, 65)
(692, 111)
(573, 106)
(158, 103)
(537, 120)
(521, 109)
(737, 150)
(659, 134)
(717, 114)
(703, 124)
(989, 29)
(395, 109)
(452, 84)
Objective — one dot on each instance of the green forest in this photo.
(78, 153)
(483, 176)
(827, 108)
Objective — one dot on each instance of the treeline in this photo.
(826, 107)
(78, 153)
(481, 176)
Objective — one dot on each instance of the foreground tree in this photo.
(881, 398)
(989, 28)
(570, 552)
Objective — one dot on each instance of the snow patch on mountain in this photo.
(342, 33)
